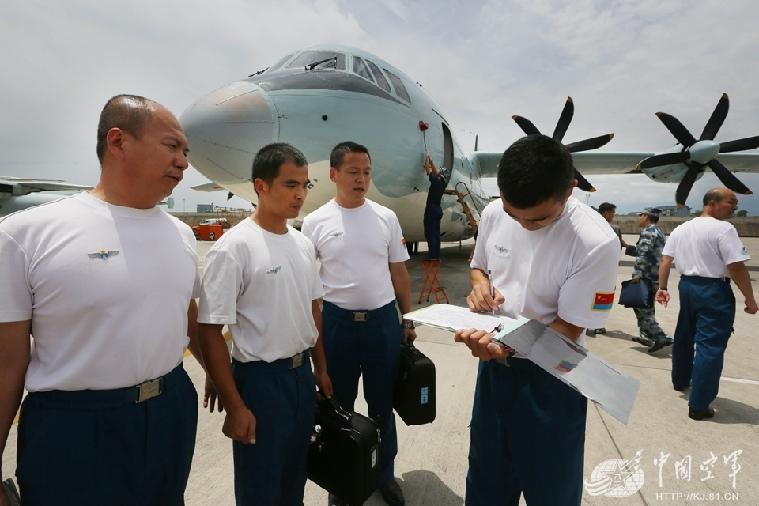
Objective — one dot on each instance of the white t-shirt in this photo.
(567, 269)
(355, 247)
(704, 246)
(107, 289)
(261, 284)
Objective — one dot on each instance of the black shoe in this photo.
(602, 330)
(392, 493)
(658, 345)
(590, 332)
(700, 414)
(681, 388)
(642, 340)
(333, 500)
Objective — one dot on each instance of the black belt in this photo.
(293, 362)
(362, 315)
(134, 394)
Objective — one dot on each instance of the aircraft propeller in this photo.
(697, 154)
(558, 134)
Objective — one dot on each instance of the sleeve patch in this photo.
(603, 301)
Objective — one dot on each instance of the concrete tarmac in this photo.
(674, 459)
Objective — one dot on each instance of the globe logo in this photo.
(616, 477)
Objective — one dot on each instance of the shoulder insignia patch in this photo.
(603, 301)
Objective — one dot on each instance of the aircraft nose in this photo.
(226, 128)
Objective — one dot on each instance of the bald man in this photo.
(106, 280)
(708, 254)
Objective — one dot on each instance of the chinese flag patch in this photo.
(603, 301)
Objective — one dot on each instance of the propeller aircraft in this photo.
(322, 95)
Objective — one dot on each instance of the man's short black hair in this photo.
(534, 169)
(342, 149)
(128, 112)
(270, 158)
(607, 206)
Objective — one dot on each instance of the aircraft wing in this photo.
(19, 186)
(590, 164)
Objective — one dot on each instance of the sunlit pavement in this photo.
(670, 458)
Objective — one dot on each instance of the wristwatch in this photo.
(408, 324)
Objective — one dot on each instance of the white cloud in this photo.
(482, 60)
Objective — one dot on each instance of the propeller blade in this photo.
(663, 159)
(677, 129)
(583, 183)
(686, 183)
(526, 125)
(592, 143)
(739, 145)
(715, 121)
(728, 178)
(564, 120)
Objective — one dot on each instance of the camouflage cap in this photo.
(654, 212)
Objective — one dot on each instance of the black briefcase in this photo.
(635, 295)
(11, 493)
(343, 457)
(415, 387)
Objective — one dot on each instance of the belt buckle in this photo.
(359, 316)
(148, 390)
(297, 360)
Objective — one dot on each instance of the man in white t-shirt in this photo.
(708, 254)
(360, 246)
(261, 279)
(104, 281)
(545, 255)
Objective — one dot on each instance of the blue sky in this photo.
(483, 61)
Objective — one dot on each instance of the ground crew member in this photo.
(552, 259)
(360, 246)
(433, 210)
(647, 253)
(708, 254)
(105, 281)
(261, 279)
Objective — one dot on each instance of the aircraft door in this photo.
(447, 148)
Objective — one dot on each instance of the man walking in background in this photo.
(708, 254)
(647, 252)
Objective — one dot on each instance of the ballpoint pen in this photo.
(492, 290)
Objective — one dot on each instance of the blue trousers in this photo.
(527, 437)
(98, 447)
(707, 314)
(432, 216)
(273, 471)
(370, 349)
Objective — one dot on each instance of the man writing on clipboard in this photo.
(552, 259)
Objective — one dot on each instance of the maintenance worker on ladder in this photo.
(433, 210)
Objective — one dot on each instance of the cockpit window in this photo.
(280, 63)
(360, 68)
(400, 89)
(379, 76)
(311, 57)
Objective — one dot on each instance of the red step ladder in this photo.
(431, 284)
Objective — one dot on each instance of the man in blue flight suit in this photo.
(647, 253)
(433, 210)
